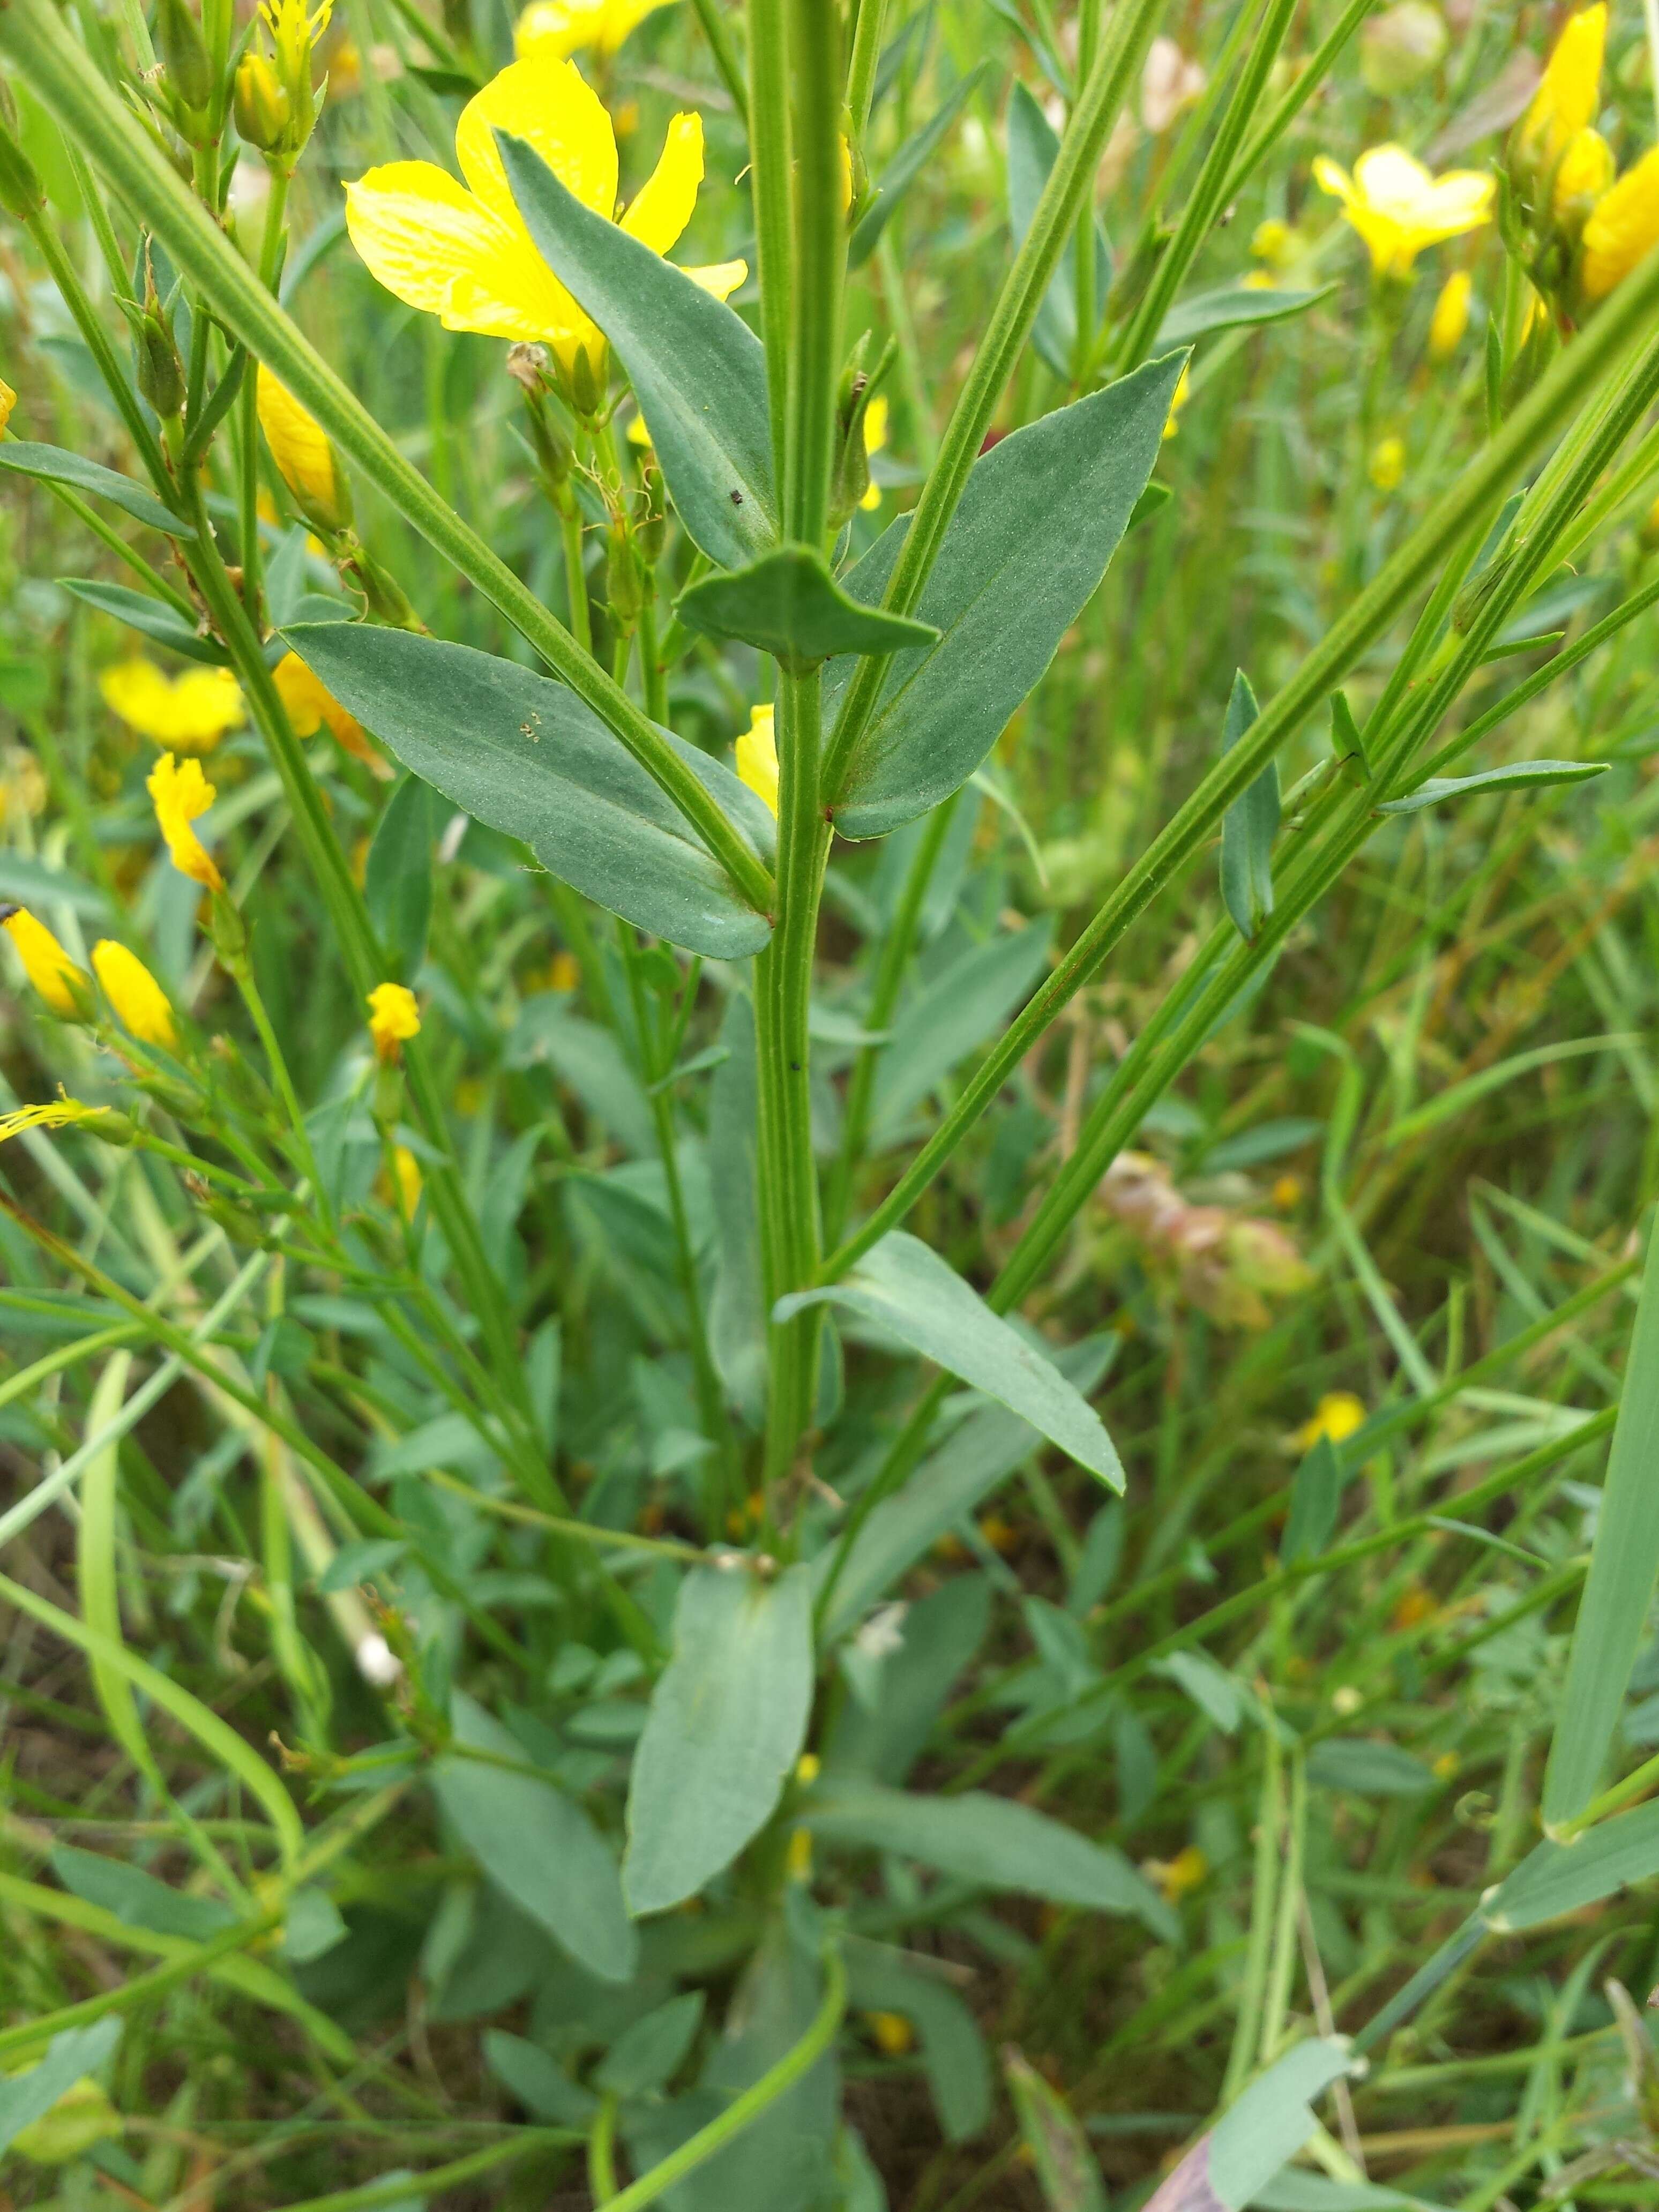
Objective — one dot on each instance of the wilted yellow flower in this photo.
(61, 983)
(1622, 228)
(556, 28)
(1388, 462)
(393, 1017)
(190, 711)
(893, 2033)
(1568, 92)
(1337, 1416)
(134, 993)
(875, 437)
(758, 756)
(1398, 208)
(62, 1113)
(462, 253)
(305, 459)
(8, 401)
(1177, 401)
(1450, 317)
(182, 794)
(1176, 1876)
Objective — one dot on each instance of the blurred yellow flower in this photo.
(563, 972)
(134, 993)
(1337, 1416)
(893, 2033)
(1450, 317)
(1388, 462)
(305, 459)
(758, 756)
(1176, 1876)
(1288, 1192)
(1272, 242)
(1582, 175)
(462, 252)
(1568, 92)
(62, 1114)
(556, 28)
(182, 794)
(406, 1168)
(808, 1767)
(190, 711)
(311, 704)
(1177, 401)
(1622, 228)
(875, 437)
(8, 401)
(61, 983)
(1398, 208)
(393, 1017)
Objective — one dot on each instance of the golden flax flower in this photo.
(875, 437)
(1568, 93)
(1398, 208)
(8, 401)
(61, 1113)
(134, 993)
(393, 1017)
(312, 707)
(1623, 227)
(1450, 317)
(182, 794)
(304, 460)
(462, 252)
(1337, 1416)
(1582, 176)
(189, 711)
(560, 27)
(61, 983)
(758, 756)
(1386, 464)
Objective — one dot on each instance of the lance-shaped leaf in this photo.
(1520, 775)
(787, 604)
(1054, 2141)
(1250, 826)
(1033, 147)
(525, 756)
(1228, 307)
(152, 618)
(53, 464)
(1042, 516)
(904, 1288)
(904, 169)
(698, 369)
(1227, 2168)
(990, 1840)
(27, 2097)
(727, 1723)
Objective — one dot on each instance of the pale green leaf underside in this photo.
(53, 464)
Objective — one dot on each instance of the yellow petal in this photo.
(191, 712)
(558, 27)
(182, 794)
(618, 18)
(134, 993)
(393, 1015)
(1569, 91)
(1622, 228)
(662, 207)
(61, 982)
(299, 445)
(758, 756)
(1450, 317)
(722, 278)
(550, 103)
(8, 401)
(434, 247)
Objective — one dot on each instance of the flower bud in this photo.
(624, 584)
(21, 193)
(586, 387)
(160, 373)
(262, 112)
(1450, 317)
(306, 461)
(189, 76)
(652, 532)
(1582, 177)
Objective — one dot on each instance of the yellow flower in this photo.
(311, 705)
(564, 972)
(1273, 242)
(182, 794)
(61, 983)
(462, 253)
(1337, 1416)
(190, 711)
(1388, 462)
(406, 1171)
(8, 401)
(305, 459)
(798, 1859)
(1582, 175)
(556, 29)
(1624, 225)
(758, 756)
(893, 2033)
(1287, 1193)
(1398, 208)
(875, 437)
(1175, 1876)
(1450, 317)
(808, 1767)
(393, 1017)
(62, 1114)
(1177, 401)
(1568, 92)
(134, 993)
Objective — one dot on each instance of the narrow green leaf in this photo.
(1554, 1879)
(957, 1010)
(991, 1840)
(397, 875)
(647, 2054)
(904, 169)
(736, 1304)
(1228, 307)
(1523, 775)
(1060, 2156)
(903, 1287)
(698, 369)
(1272, 2120)
(953, 2055)
(1249, 826)
(152, 618)
(1367, 1769)
(137, 1898)
(1315, 1500)
(523, 754)
(537, 1844)
(53, 464)
(1457, 1097)
(29, 2097)
(1042, 516)
(95, 1567)
(727, 1721)
(1624, 1564)
(1346, 743)
(1033, 145)
(787, 604)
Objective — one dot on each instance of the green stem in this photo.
(1087, 308)
(725, 57)
(653, 669)
(601, 2150)
(817, 270)
(862, 69)
(100, 530)
(247, 401)
(67, 278)
(769, 160)
(1307, 82)
(1070, 181)
(576, 575)
(276, 1060)
(82, 104)
(35, 2033)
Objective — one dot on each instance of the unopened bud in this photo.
(21, 193)
(624, 583)
(587, 390)
(189, 66)
(262, 106)
(160, 371)
(652, 532)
